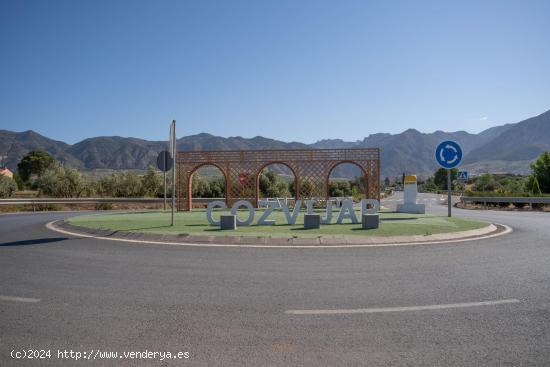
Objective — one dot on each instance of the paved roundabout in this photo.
(475, 302)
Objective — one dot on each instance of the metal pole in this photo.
(173, 169)
(449, 192)
(165, 187)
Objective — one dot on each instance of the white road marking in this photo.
(402, 309)
(19, 299)
(52, 227)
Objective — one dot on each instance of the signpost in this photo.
(448, 154)
(164, 163)
(462, 176)
(173, 158)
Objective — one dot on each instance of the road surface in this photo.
(475, 303)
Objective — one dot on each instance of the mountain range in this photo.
(507, 148)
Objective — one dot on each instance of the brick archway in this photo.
(292, 169)
(311, 168)
(363, 172)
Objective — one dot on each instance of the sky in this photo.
(290, 70)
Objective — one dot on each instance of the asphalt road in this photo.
(229, 306)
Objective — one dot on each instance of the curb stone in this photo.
(491, 229)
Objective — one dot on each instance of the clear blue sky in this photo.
(291, 70)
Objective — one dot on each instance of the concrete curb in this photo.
(490, 231)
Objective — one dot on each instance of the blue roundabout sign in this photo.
(448, 154)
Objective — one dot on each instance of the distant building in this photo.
(6, 172)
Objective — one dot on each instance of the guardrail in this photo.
(44, 201)
(28, 201)
(37, 201)
(498, 200)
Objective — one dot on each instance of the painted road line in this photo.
(402, 309)
(19, 299)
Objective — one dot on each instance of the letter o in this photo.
(251, 211)
(214, 204)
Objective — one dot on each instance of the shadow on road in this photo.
(35, 241)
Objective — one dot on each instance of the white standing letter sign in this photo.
(291, 219)
(250, 208)
(270, 205)
(368, 206)
(214, 204)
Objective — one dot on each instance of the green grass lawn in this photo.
(195, 223)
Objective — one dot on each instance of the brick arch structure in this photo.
(241, 168)
(292, 169)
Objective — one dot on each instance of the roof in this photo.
(6, 172)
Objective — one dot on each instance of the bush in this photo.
(541, 171)
(440, 177)
(58, 181)
(126, 184)
(7, 187)
(151, 182)
(486, 182)
(340, 188)
(271, 185)
(103, 206)
(48, 207)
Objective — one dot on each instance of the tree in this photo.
(151, 182)
(340, 188)
(58, 181)
(272, 185)
(532, 185)
(541, 171)
(511, 186)
(306, 188)
(34, 163)
(7, 186)
(217, 187)
(201, 187)
(486, 182)
(387, 181)
(440, 177)
(120, 185)
(129, 186)
(428, 185)
(19, 181)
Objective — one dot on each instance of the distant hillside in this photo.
(506, 148)
(525, 140)
(15, 145)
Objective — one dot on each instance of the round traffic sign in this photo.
(448, 154)
(164, 161)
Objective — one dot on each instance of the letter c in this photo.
(214, 204)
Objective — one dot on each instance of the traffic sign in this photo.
(462, 176)
(448, 154)
(164, 161)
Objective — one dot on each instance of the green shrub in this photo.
(7, 186)
(104, 206)
(58, 181)
(48, 207)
